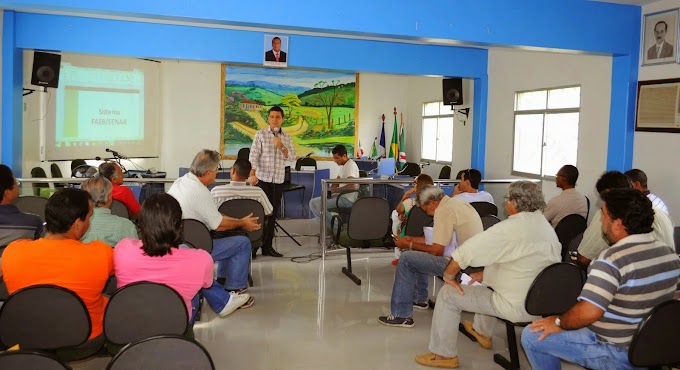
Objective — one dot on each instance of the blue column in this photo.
(622, 112)
(12, 60)
(479, 107)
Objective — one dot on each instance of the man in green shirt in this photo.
(104, 226)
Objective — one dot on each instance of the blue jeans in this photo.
(410, 283)
(232, 255)
(578, 346)
(331, 203)
(216, 297)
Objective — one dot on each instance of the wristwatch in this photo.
(557, 322)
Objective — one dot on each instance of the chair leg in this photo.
(513, 364)
(348, 270)
(200, 306)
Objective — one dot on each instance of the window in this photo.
(437, 139)
(546, 130)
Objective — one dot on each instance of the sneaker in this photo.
(428, 359)
(484, 342)
(395, 262)
(250, 302)
(238, 291)
(235, 301)
(404, 322)
(421, 306)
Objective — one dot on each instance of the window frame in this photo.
(422, 122)
(544, 112)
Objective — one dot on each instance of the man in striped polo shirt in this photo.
(624, 283)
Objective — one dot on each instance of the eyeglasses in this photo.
(16, 182)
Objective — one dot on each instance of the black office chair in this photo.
(77, 163)
(368, 220)
(197, 235)
(239, 208)
(305, 161)
(417, 219)
(165, 352)
(56, 173)
(653, 344)
(286, 187)
(553, 292)
(38, 173)
(32, 204)
(119, 209)
(489, 220)
(485, 208)
(44, 317)
(84, 171)
(30, 360)
(676, 239)
(411, 169)
(445, 173)
(573, 246)
(567, 229)
(142, 310)
(243, 153)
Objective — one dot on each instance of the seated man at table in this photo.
(639, 179)
(569, 201)
(419, 261)
(593, 243)
(104, 226)
(61, 259)
(232, 253)
(468, 188)
(625, 281)
(513, 253)
(348, 170)
(121, 193)
(238, 187)
(14, 224)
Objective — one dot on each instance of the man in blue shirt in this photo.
(14, 224)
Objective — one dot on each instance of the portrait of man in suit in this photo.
(661, 48)
(276, 54)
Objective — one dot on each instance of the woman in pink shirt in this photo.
(158, 259)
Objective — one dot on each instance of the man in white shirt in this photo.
(569, 201)
(639, 179)
(238, 188)
(467, 190)
(348, 170)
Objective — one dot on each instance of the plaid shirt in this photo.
(266, 159)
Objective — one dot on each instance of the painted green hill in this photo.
(346, 97)
(256, 93)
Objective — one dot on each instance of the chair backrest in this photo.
(653, 343)
(38, 173)
(55, 171)
(676, 238)
(144, 309)
(555, 289)
(485, 208)
(30, 360)
(76, 163)
(243, 153)
(44, 317)
(239, 208)
(166, 352)
(363, 173)
(286, 175)
(567, 229)
(587, 207)
(445, 173)
(305, 161)
(197, 234)
(489, 220)
(119, 209)
(411, 169)
(84, 171)
(32, 204)
(369, 219)
(417, 219)
(574, 243)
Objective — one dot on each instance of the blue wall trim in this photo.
(12, 60)
(620, 145)
(479, 110)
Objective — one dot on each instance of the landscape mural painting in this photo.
(320, 108)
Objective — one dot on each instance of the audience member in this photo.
(104, 226)
(238, 187)
(569, 201)
(231, 253)
(348, 170)
(61, 259)
(624, 283)
(467, 188)
(513, 253)
(593, 242)
(400, 215)
(419, 261)
(14, 224)
(639, 180)
(268, 155)
(158, 259)
(120, 192)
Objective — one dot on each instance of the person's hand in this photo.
(402, 218)
(277, 142)
(409, 192)
(456, 190)
(252, 180)
(454, 283)
(546, 325)
(401, 243)
(250, 223)
(476, 277)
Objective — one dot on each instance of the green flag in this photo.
(394, 147)
(374, 149)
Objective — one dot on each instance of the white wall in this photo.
(654, 152)
(511, 71)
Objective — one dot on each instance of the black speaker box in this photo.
(45, 69)
(453, 91)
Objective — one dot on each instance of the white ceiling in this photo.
(630, 2)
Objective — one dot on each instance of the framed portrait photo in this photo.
(275, 51)
(660, 39)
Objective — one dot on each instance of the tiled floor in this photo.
(311, 316)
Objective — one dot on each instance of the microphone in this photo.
(97, 158)
(309, 155)
(275, 133)
(116, 154)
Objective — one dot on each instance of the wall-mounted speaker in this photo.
(453, 91)
(45, 69)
